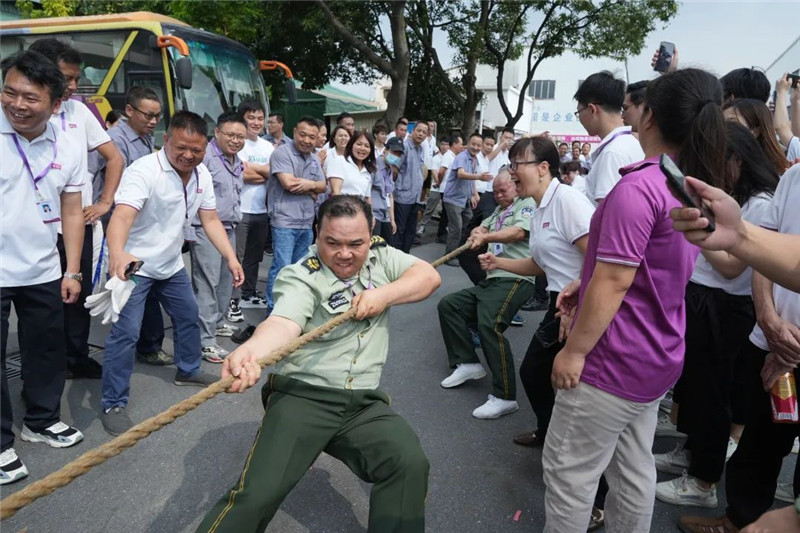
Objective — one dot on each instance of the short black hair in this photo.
(563, 144)
(250, 104)
(56, 51)
(113, 116)
(231, 116)
(38, 69)
(277, 116)
(306, 119)
(140, 92)
(343, 205)
(401, 120)
(487, 136)
(540, 148)
(508, 130)
(445, 139)
(636, 91)
(320, 123)
(343, 115)
(745, 83)
(191, 123)
(602, 89)
(379, 127)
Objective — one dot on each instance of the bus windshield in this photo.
(221, 78)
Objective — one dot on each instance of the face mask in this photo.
(393, 160)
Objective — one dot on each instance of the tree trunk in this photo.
(401, 64)
(472, 95)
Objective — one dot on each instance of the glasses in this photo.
(515, 164)
(581, 110)
(149, 116)
(233, 136)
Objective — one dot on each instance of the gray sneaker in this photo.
(116, 421)
(200, 379)
(159, 358)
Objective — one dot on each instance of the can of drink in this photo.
(784, 400)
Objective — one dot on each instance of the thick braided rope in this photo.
(97, 456)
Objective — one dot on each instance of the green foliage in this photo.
(46, 8)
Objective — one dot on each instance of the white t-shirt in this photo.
(332, 156)
(254, 196)
(782, 216)
(152, 187)
(483, 166)
(28, 232)
(562, 218)
(446, 162)
(354, 181)
(704, 274)
(793, 150)
(500, 160)
(436, 163)
(579, 184)
(617, 149)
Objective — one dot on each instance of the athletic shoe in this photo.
(200, 379)
(686, 490)
(665, 427)
(241, 336)
(463, 372)
(225, 330)
(674, 462)
(535, 305)
(517, 320)
(11, 468)
(234, 314)
(495, 408)
(85, 368)
(214, 353)
(785, 492)
(666, 404)
(420, 231)
(597, 519)
(796, 446)
(732, 445)
(116, 421)
(268, 252)
(159, 358)
(254, 302)
(59, 435)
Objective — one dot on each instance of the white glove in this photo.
(100, 305)
(120, 293)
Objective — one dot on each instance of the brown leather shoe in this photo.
(707, 524)
(529, 439)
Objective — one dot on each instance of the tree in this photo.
(46, 8)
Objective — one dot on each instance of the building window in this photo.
(543, 89)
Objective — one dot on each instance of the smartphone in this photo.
(675, 183)
(665, 53)
(132, 268)
(794, 78)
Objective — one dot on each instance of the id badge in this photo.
(47, 210)
(497, 248)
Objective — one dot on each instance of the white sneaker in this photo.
(214, 353)
(796, 445)
(59, 435)
(11, 468)
(665, 406)
(665, 427)
(254, 302)
(686, 490)
(785, 492)
(463, 372)
(674, 462)
(225, 330)
(495, 408)
(732, 445)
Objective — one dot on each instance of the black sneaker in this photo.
(159, 358)
(59, 435)
(85, 368)
(11, 468)
(242, 335)
(234, 313)
(200, 379)
(116, 421)
(535, 305)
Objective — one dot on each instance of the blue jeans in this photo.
(175, 294)
(288, 246)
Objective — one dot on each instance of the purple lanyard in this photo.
(619, 133)
(63, 121)
(25, 162)
(236, 172)
(503, 217)
(350, 284)
(185, 196)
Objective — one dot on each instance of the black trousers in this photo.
(405, 217)
(751, 475)
(384, 229)
(77, 320)
(40, 314)
(717, 326)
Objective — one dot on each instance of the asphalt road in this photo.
(479, 479)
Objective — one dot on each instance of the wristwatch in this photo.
(76, 277)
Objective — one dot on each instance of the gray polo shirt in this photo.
(408, 187)
(228, 183)
(381, 192)
(287, 210)
(458, 191)
(129, 143)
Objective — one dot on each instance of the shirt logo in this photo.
(73, 126)
(526, 212)
(545, 225)
(311, 264)
(336, 300)
(199, 190)
(56, 166)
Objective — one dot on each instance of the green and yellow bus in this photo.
(192, 69)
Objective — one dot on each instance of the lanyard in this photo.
(63, 121)
(350, 283)
(618, 134)
(236, 172)
(502, 218)
(25, 162)
(185, 197)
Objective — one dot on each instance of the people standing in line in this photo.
(252, 233)
(212, 282)
(437, 179)
(625, 344)
(275, 133)
(486, 202)
(382, 190)
(379, 135)
(600, 99)
(400, 129)
(41, 182)
(340, 136)
(346, 120)
(75, 119)
(354, 173)
(292, 191)
(158, 198)
(408, 187)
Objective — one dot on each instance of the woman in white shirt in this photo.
(353, 173)
(339, 139)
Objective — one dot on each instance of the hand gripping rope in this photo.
(97, 456)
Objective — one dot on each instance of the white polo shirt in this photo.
(254, 196)
(579, 184)
(562, 218)
(495, 165)
(446, 162)
(793, 150)
(483, 166)
(436, 163)
(152, 187)
(28, 254)
(617, 149)
(783, 216)
(704, 274)
(354, 181)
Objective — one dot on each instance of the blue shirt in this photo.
(131, 146)
(382, 187)
(228, 183)
(287, 210)
(285, 139)
(408, 187)
(458, 191)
